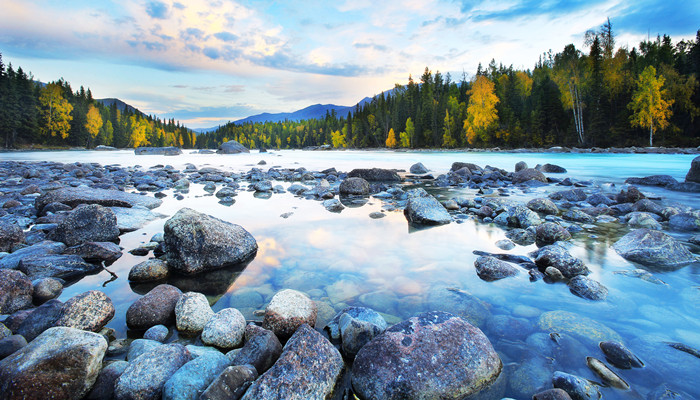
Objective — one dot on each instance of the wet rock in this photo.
(231, 384)
(587, 288)
(654, 249)
(505, 326)
(471, 168)
(424, 209)
(196, 242)
(521, 237)
(375, 174)
(287, 311)
(104, 385)
(15, 291)
(576, 325)
(552, 169)
(606, 374)
(224, 329)
(377, 215)
(631, 195)
(523, 217)
(356, 326)
(149, 271)
(164, 151)
(146, 375)
(552, 394)
(232, 147)
(577, 387)
(261, 349)
(492, 269)
(10, 236)
(65, 267)
(134, 218)
(11, 344)
(157, 307)
(685, 221)
(642, 220)
(418, 168)
(572, 195)
(226, 192)
(157, 333)
(620, 356)
(96, 252)
(73, 196)
(140, 346)
(11, 261)
(432, 355)
(505, 244)
(457, 302)
(89, 223)
(578, 216)
(528, 174)
(653, 180)
(694, 171)
(263, 186)
(557, 257)
(354, 186)
(646, 205)
(89, 311)
(192, 311)
(597, 199)
(38, 370)
(543, 206)
(663, 392)
(194, 377)
(520, 165)
(531, 376)
(550, 233)
(333, 205)
(39, 319)
(309, 365)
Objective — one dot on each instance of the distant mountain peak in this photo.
(121, 106)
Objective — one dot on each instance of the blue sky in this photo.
(205, 62)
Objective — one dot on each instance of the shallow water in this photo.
(348, 258)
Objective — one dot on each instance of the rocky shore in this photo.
(60, 222)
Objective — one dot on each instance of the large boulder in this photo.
(552, 169)
(287, 311)
(66, 267)
(528, 174)
(89, 223)
(424, 209)
(375, 174)
(89, 311)
(62, 363)
(654, 249)
(11, 261)
(40, 319)
(694, 171)
(354, 186)
(15, 291)
(146, 375)
(157, 307)
(73, 196)
(161, 151)
(232, 147)
(308, 369)
(10, 235)
(418, 168)
(433, 355)
(653, 180)
(196, 242)
(96, 252)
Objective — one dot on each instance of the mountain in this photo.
(315, 111)
(205, 130)
(121, 106)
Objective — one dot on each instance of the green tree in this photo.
(649, 106)
(55, 112)
(410, 132)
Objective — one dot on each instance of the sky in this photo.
(207, 62)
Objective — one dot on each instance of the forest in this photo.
(605, 96)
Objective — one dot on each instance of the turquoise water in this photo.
(347, 258)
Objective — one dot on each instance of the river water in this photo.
(347, 258)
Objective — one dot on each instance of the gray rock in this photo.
(492, 269)
(261, 349)
(572, 195)
(631, 195)
(355, 327)
(192, 312)
(157, 307)
(472, 168)
(647, 205)
(550, 233)
(196, 242)
(225, 329)
(578, 216)
(163, 151)
(552, 394)
(11, 344)
(597, 199)
(145, 376)
(232, 147)
(65, 267)
(642, 220)
(193, 378)
(521, 237)
(552, 169)
(620, 356)
(137, 347)
(287, 311)
(530, 376)
(418, 168)
(587, 288)
(505, 244)
(354, 186)
(432, 355)
(375, 174)
(333, 205)
(96, 252)
(688, 221)
(157, 332)
(89, 223)
(149, 271)
(520, 165)
(226, 192)
(557, 257)
(4, 331)
(263, 186)
(663, 392)
(40, 319)
(38, 370)
(11, 261)
(694, 171)
(543, 206)
(653, 180)
(424, 209)
(73, 196)
(15, 291)
(309, 365)
(654, 249)
(231, 384)
(104, 385)
(134, 218)
(10, 236)
(89, 311)
(577, 387)
(523, 217)
(528, 174)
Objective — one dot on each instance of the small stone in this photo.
(15, 291)
(287, 311)
(157, 332)
(157, 307)
(587, 288)
(231, 384)
(146, 375)
(225, 329)
(492, 269)
(261, 349)
(195, 376)
(192, 312)
(149, 271)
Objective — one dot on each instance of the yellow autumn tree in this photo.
(338, 139)
(391, 139)
(93, 122)
(55, 112)
(449, 123)
(649, 106)
(481, 110)
(406, 137)
(138, 132)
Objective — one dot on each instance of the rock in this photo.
(10, 236)
(224, 329)
(157, 307)
(377, 215)
(577, 387)
(232, 147)
(194, 377)
(309, 365)
(11, 261)
(196, 242)
(138, 347)
(557, 257)
(89, 223)
(609, 377)
(685, 221)
(287, 311)
(552, 394)
(521, 237)
(694, 171)
(432, 355)
(647, 205)
(597, 199)
(424, 209)
(505, 244)
(73, 196)
(263, 186)
(620, 356)
(552, 169)
(261, 350)
(149, 271)
(89, 311)
(578, 216)
(418, 168)
(15, 291)
(4, 331)
(492, 269)
(356, 326)
(523, 217)
(39, 319)
(333, 205)
(654, 249)
(662, 392)
(528, 174)
(192, 312)
(576, 325)
(11, 344)
(134, 218)
(354, 186)
(231, 384)
(145, 376)
(642, 220)
(572, 195)
(96, 252)
(65, 267)
(587, 288)
(375, 174)
(653, 180)
(104, 385)
(471, 168)
(157, 333)
(550, 233)
(531, 376)
(520, 165)
(61, 363)
(632, 195)
(162, 151)
(102, 147)
(543, 206)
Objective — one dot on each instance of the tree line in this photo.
(33, 113)
(610, 96)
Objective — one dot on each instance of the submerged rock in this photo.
(654, 249)
(577, 325)
(577, 387)
(587, 288)
(424, 209)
